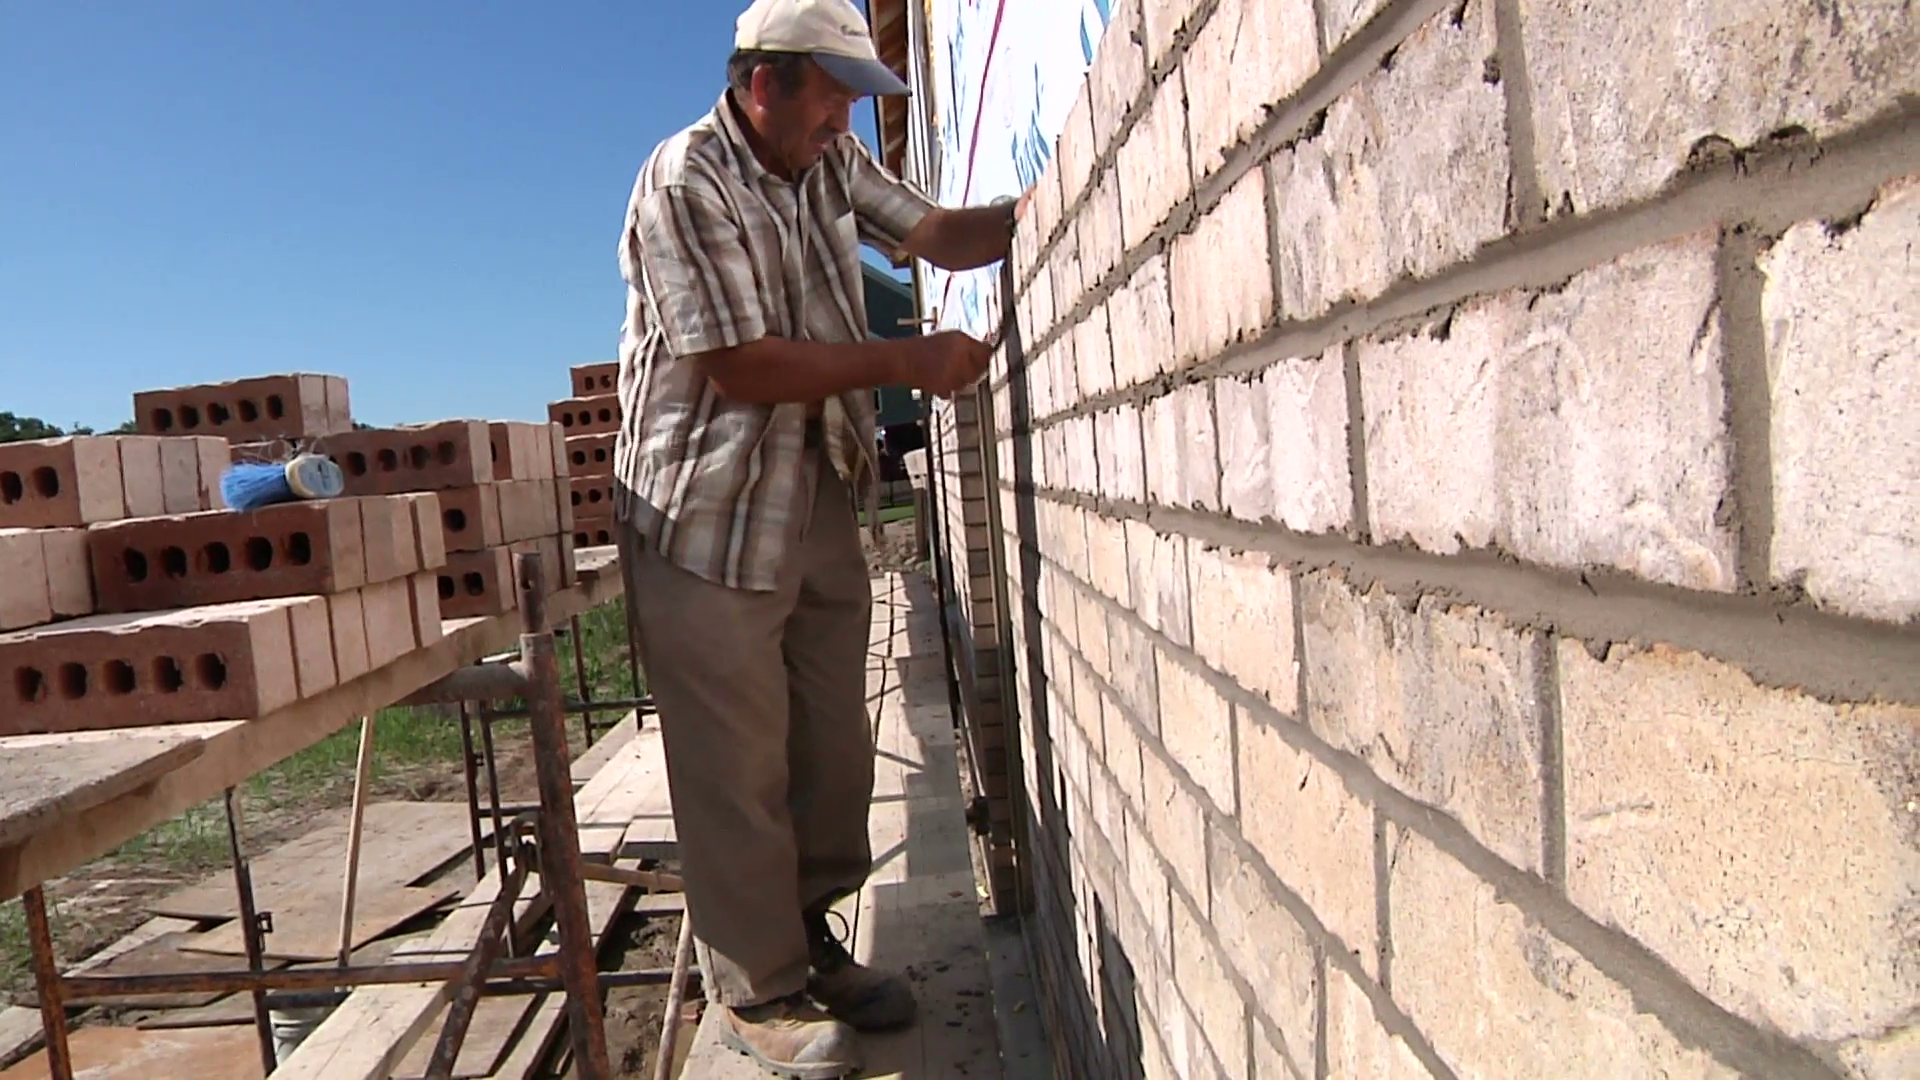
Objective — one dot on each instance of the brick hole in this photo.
(73, 681)
(579, 457)
(135, 563)
(606, 382)
(494, 449)
(12, 488)
(581, 539)
(446, 452)
(417, 456)
(602, 537)
(455, 520)
(46, 482)
(357, 463)
(216, 558)
(576, 498)
(446, 587)
(189, 417)
(600, 456)
(259, 553)
(249, 412)
(167, 676)
(210, 671)
(594, 496)
(163, 419)
(29, 685)
(119, 677)
(566, 419)
(173, 562)
(218, 414)
(300, 549)
(475, 584)
(276, 407)
(389, 460)
(606, 416)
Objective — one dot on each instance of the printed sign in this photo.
(1005, 74)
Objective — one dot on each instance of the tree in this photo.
(20, 428)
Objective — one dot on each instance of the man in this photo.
(746, 376)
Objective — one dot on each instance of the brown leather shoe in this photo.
(867, 999)
(790, 1037)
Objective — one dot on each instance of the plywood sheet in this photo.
(400, 843)
(308, 928)
(113, 1053)
(45, 778)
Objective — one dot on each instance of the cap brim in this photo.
(862, 76)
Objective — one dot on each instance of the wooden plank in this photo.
(402, 843)
(651, 834)
(371, 1033)
(168, 954)
(20, 1028)
(606, 903)
(308, 928)
(238, 1008)
(496, 1023)
(47, 778)
(603, 748)
(117, 1053)
(236, 750)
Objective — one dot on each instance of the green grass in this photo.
(890, 514)
(406, 740)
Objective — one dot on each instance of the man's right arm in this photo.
(774, 370)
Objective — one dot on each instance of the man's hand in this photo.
(945, 363)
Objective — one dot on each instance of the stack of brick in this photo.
(217, 614)
(498, 488)
(52, 489)
(293, 406)
(591, 422)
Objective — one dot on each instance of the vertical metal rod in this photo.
(493, 791)
(472, 769)
(250, 935)
(580, 677)
(676, 997)
(560, 861)
(46, 979)
(362, 777)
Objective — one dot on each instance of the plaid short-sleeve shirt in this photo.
(718, 252)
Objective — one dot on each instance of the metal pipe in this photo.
(580, 677)
(362, 773)
(481, 682)
(494, 987)
(251, 935)
(464, 988)
(49, 984)
(642, 705)
(560, 862)
(471, 767)
(493, 791)
(95, 987)
(676, 996)
(651, 880)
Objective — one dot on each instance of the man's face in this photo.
(799, 125)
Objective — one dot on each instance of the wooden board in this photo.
(236, 750)
(603, 748)
(496, 1023)
(46, 778)
(112, 1053)
(400, 843)
(308, 927)
(238, 1008)
(169, 954)
(651, 834)
(20, 1028)
(369, 1036)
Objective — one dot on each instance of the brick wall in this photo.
(1456, 490)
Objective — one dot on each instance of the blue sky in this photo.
(423, 196)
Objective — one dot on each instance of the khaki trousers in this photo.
(762, 699)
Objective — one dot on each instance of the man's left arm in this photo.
(900, 220)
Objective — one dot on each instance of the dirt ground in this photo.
(895, 553)
(634, 1013)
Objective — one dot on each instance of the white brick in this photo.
(1251, 56)
(1123, 466)
(1147, 881)
(1196, 725)
(1843, 329)
(1045, 208)
(1142, 325)
(1526, 1005)
(1074, 154)
(1175, 825)
(1313, 833)
(1283, 445)
(1164, 19)
(1153, 165)
(1449, 712)
(1201, 974)
(1038, 309)
(1119, 71)
(1108, 570)
(1408, 177)
(1222, 282)
(1068, 277)
(1243, 621)
(1620, 103)
(1093, 642)
(1082, 471)
(1160, 428)
(1358, 1044)
(1182, 457)
(1102, 238)
(1160, 593)
(1759, 841)
(1582, 426)
(1343, 17)
(1123, 747)
(1093, 354)
(1133, 676)
(1267, 945)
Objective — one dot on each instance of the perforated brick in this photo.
(244, 410)
(477, 583)
(587, 415)
(25, 598)
(470, 517)
(589, 455)
(69, 574)
(521, 451)
(430, 542)
(388, 609)
(286, 550)
(60, 482)
(312, 629)
(557, 449)
(592, 533)
(142, 479)
(428, 457)
(104, 671)
(388, 537)
(528, 509)
(425, 592)
(349, 621)
(593, 380)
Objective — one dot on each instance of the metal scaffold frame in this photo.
(540, 840)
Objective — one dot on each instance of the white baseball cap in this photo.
(833, 32)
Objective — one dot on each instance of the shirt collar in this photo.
(729, 123)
